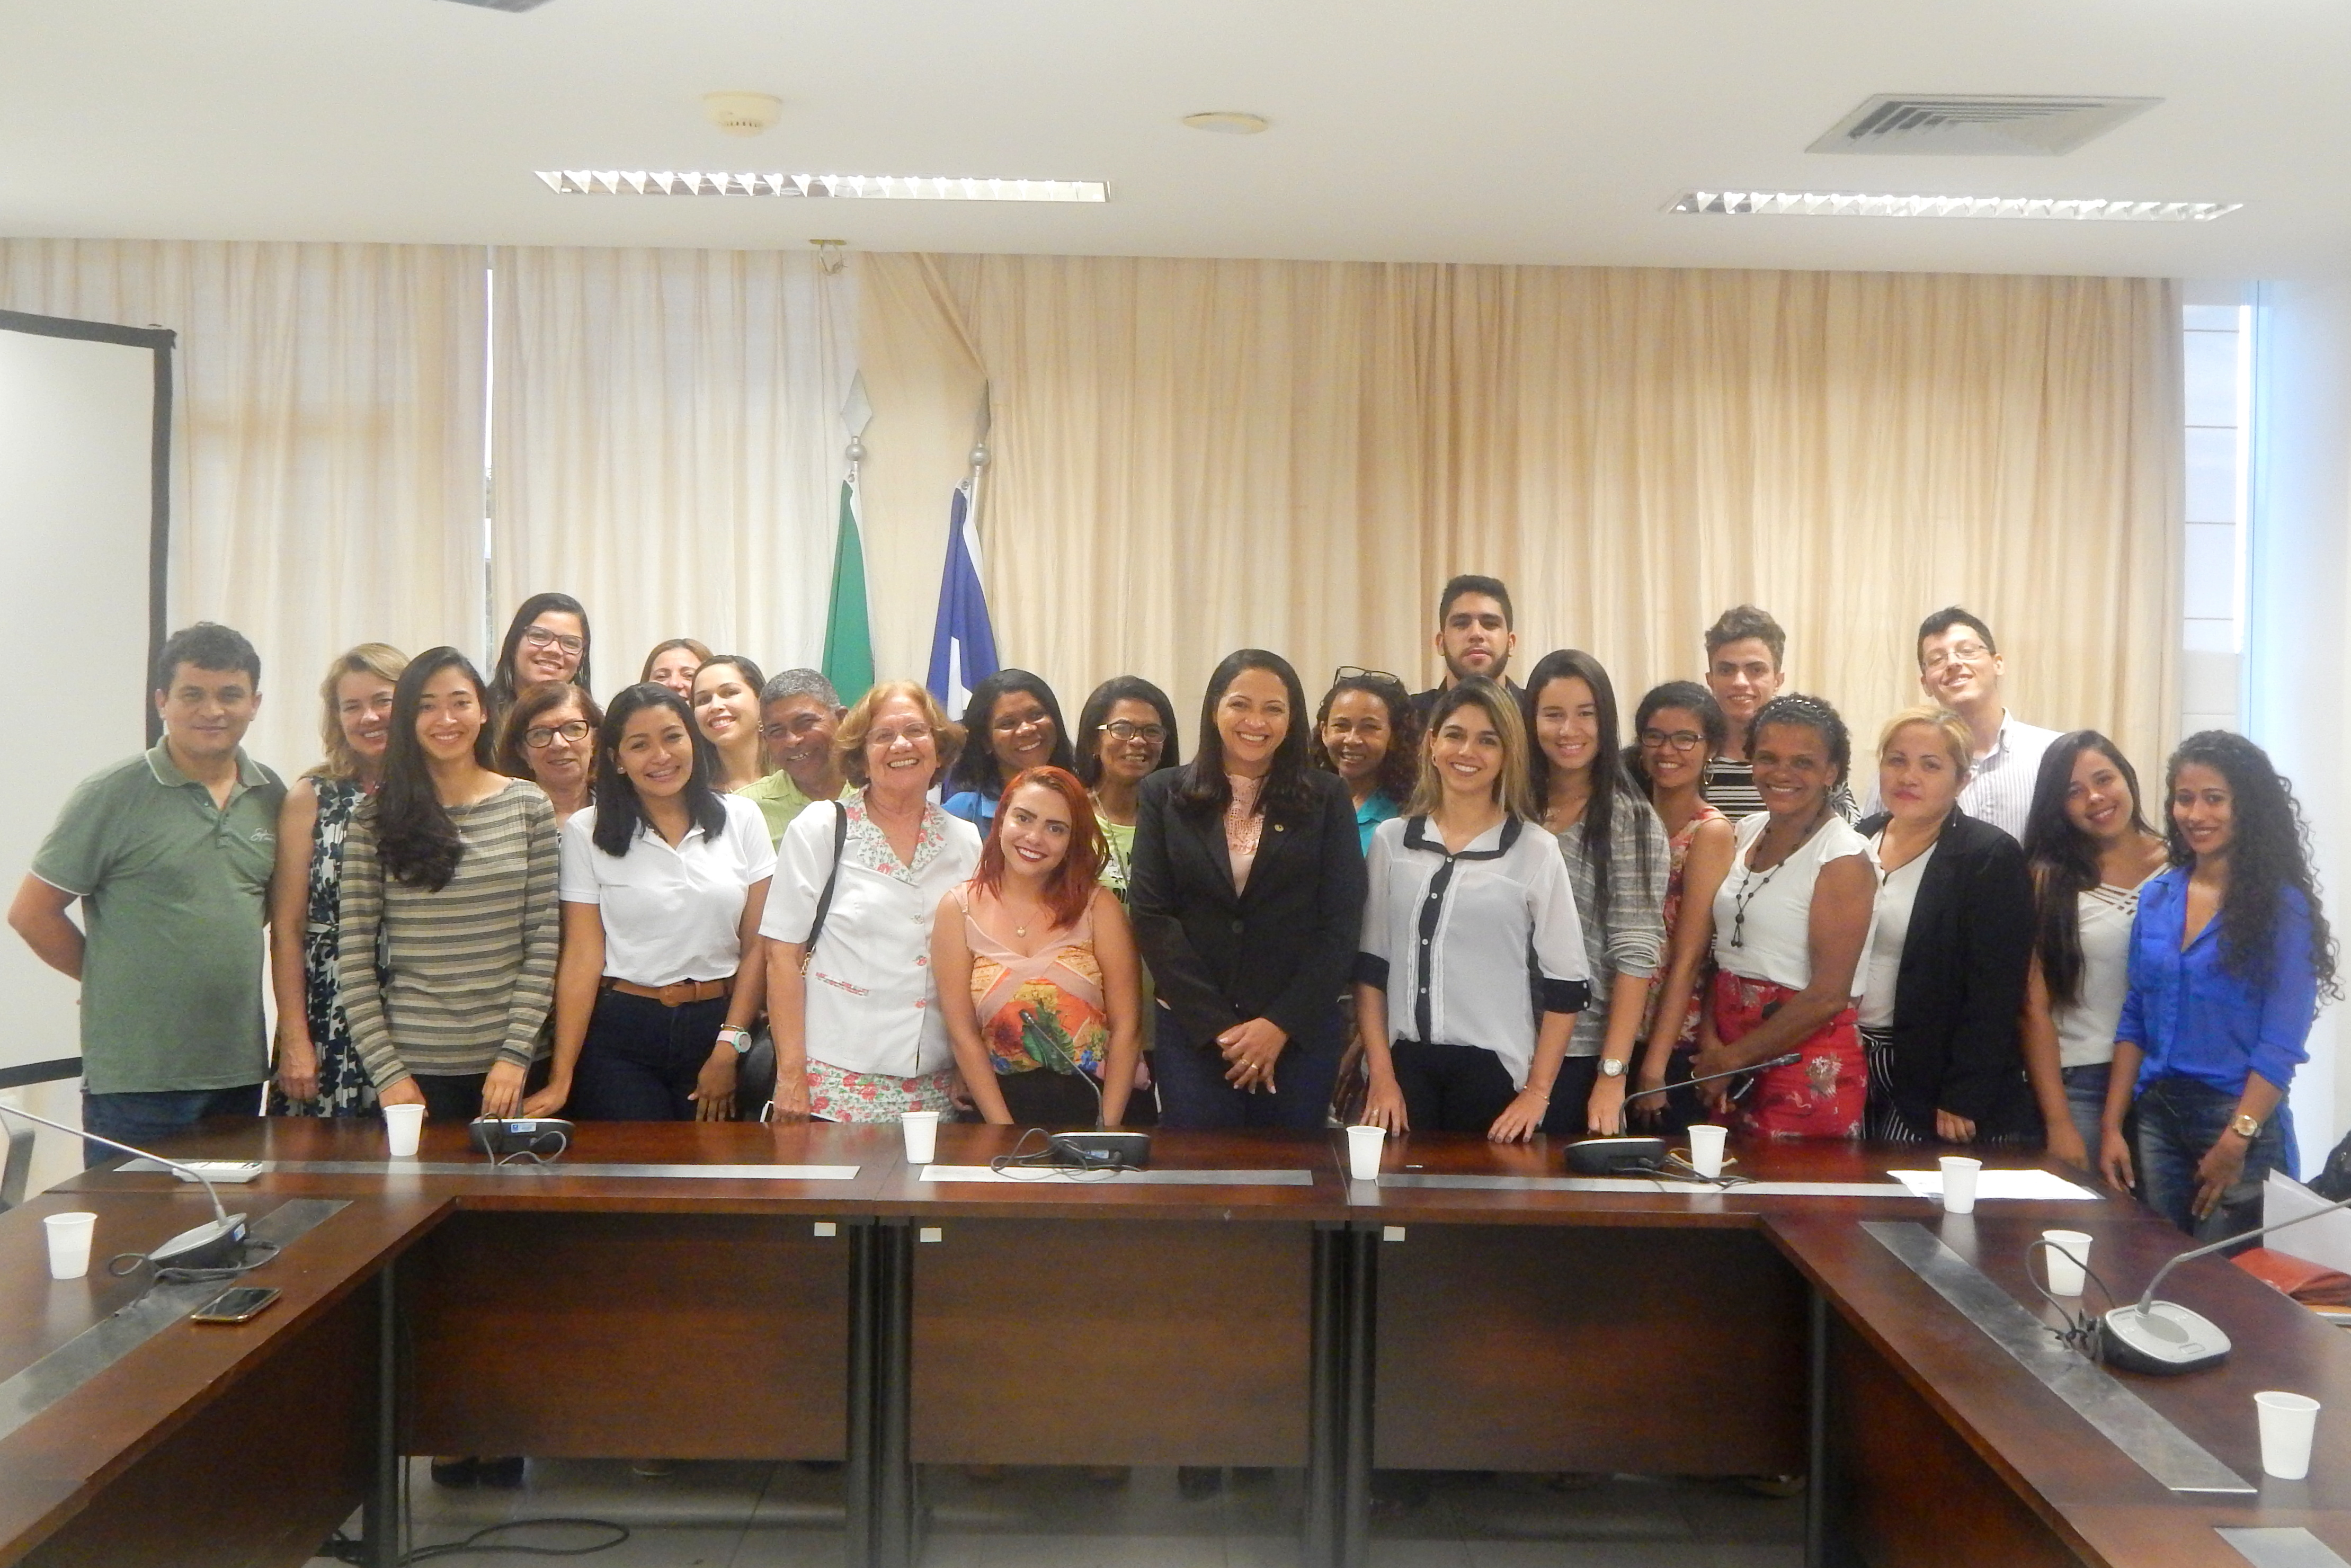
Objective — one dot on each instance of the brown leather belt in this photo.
(676, 994)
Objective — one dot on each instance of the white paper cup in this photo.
(1960, 1184)
(1705, 1148)
(1364, 1146)
(2288, 1423)
(70, 1236)
(403, 1125)
(921, 1130)
(2067, 1258)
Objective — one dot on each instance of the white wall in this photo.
(2298, 691)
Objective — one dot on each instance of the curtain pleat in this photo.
(1194, 455)
(327, 459)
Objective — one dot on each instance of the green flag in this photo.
(848, 632)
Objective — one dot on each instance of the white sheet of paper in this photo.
(2325, 1242)
(2045, 1186)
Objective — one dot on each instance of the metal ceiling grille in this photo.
(1912, 124)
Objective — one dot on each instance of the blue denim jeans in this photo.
(1192, 1091)
(2179, 1120)
(2086, 1101)
(142, 1117)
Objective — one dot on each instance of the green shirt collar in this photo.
(167, 772)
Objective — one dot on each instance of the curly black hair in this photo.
(1400, 766)
(1809, 713)
(2269, 852)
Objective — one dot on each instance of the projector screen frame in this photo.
(161, 341)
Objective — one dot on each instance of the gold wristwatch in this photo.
(2246, 1127)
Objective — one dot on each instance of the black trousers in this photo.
(1041, 1097)
(640, 1060)
(1450, 1088)
(457, 1096)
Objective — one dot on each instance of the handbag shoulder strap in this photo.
(824, 899)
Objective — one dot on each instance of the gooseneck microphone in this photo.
(1790, 1059)
(1634, 1153)
(218, 1243)
(2156, 1336)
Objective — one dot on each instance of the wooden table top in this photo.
(1045, 1193)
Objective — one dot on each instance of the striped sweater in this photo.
(469, 971)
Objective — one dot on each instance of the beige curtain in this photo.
(328, 442)
(1194, 455)
(669, 446)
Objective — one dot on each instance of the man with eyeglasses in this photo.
(1473, 633)
(1960, 667)
(799, 711)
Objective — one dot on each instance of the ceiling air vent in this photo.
(1931, 124)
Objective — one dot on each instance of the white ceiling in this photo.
(1526, 130)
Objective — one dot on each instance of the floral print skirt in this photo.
(837, 1094)
(1822, 1095)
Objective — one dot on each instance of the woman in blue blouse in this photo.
(2230, 955)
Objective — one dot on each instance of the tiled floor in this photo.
(784, 1516)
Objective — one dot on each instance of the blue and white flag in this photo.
(963, 645)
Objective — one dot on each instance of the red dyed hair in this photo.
(1071, 885)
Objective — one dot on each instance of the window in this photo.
(2217, 355)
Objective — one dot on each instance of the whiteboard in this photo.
(85, 412)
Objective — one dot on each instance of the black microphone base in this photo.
(1616, 1156)
(215, 1244)
(2164, 1340)
(1100, 1151)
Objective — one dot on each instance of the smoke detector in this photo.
(742, 113)
(1956, 124)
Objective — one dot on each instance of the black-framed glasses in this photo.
(573, 730)
(1122, 731)
(1682, 740)
(1357, 672)
(540, 637)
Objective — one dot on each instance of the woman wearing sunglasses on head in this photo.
(1367, 732)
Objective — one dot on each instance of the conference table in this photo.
(802, 1293)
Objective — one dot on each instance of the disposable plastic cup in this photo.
(921, 1130)
(2288, 1423)
(403, 1126)
(2067, 1258)
(1364, 1146)
(1705, 1148)
(70, 1236)
(1960, 1184)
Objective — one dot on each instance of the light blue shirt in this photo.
(1378, 807)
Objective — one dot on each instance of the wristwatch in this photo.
(738, 1037)
(2246, 1127)
(1611, 1067)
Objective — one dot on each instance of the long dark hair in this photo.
(619, 811)
(1399, 773)
(1608, 774)
(977, 770)
(1688, 696)
(502, 680)
(1096, 712)
(2064, 859)
(415, 838)
(2269, 852)
(1287, 794)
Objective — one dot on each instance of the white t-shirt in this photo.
(1763, 919)
(872, 1005)
(2085, 1030)
(670, 914)
(1452, 935)
(1889, 927)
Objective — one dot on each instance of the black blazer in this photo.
(1957, 1005)
(1282, 949)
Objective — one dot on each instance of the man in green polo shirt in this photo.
(171, 855)
(799, 711)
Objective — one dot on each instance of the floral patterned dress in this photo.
(344, 1087)
(1038, 1010)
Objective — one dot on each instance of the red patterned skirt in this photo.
(1821, 1096)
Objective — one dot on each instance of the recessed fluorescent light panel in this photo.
(870, 187)
(1840, 204)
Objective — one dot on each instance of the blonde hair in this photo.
(1513, 787)
(380, 660)
(849, 740)
(1958, 739)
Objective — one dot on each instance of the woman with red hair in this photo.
(1043, 950)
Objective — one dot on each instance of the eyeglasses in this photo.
(1969, 653)
(1123, 732)
(573, 730)
(540, 637)
(1357, 672)
(1684, 740)
(913, 734)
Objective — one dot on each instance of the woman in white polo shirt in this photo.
(664, 881)
(859, 1037)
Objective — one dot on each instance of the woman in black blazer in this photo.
(1943, 987)
(1247, 899)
